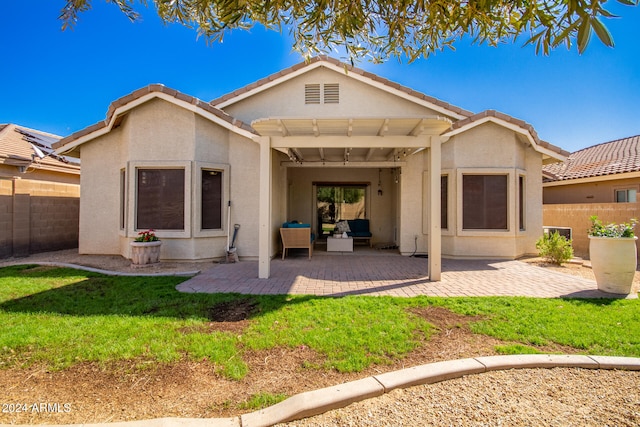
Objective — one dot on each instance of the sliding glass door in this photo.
(335, 202)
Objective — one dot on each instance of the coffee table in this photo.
(339, 244)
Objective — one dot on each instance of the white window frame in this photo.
(626, 190)
(511, 193)
(521, 174)
(133, 188)
(197, 198)
(122, 214)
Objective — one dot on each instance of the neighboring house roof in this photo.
(121, 106)
(26, 148)
(609, 158)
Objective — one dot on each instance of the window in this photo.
(444, 197)
(484, 202)
(123, 192)
(160, 199)
(211, 199)
(521, 203)
(624, 196)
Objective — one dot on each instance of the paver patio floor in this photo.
(391, 274)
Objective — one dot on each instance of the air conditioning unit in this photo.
(563, 231)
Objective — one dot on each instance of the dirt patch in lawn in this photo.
(134, 390)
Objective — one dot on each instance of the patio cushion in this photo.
(343, 226)
(299, 225)
(359, 228)
(296, 224)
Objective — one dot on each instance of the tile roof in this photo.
(349, 69)
(21, 146)
(609, 158)
(510, 120)
(150, 89)
(468, 118)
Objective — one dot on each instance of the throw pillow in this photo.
(343, 226)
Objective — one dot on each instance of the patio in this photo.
(384, 272)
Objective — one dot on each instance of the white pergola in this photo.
(373, 142)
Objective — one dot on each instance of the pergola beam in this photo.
(337, 141)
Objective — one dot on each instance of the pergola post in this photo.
(264, 231)
(435, 232)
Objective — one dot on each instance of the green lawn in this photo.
(59, 317)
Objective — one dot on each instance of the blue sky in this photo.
(61, 82)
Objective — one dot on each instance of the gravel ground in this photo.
(524, 397)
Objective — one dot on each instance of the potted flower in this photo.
(145, 249)
(612, 249)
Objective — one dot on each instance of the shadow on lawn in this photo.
(94, 294)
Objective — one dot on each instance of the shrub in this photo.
(554, 248)
(598, 229)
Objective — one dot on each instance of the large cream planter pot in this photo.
(614, 263)
(145, 253)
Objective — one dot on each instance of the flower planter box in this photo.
(614, 261)
(145, 254)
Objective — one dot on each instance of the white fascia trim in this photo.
(73, 145)
(512, 127)
(590, 179)
(356, 76)
(145, 98)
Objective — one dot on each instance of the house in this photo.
(602, 180)
(604, 173)
(39, 193)
(430, 177)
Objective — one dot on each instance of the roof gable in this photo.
(522, 128)
(121, 106)
(350, 72)
(609, 158)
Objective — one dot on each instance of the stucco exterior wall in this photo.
(244, 158)
(357, 99)
(160, 134)
(489, 149)
(600, 190)
(411, 237)
(100, 194)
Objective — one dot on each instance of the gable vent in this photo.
(331, 93)
(312, 93)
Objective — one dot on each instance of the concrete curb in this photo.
(108, 272)
(319, 401)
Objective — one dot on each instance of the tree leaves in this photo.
(379, 29)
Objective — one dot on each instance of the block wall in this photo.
(577, 217)
(37, 216)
